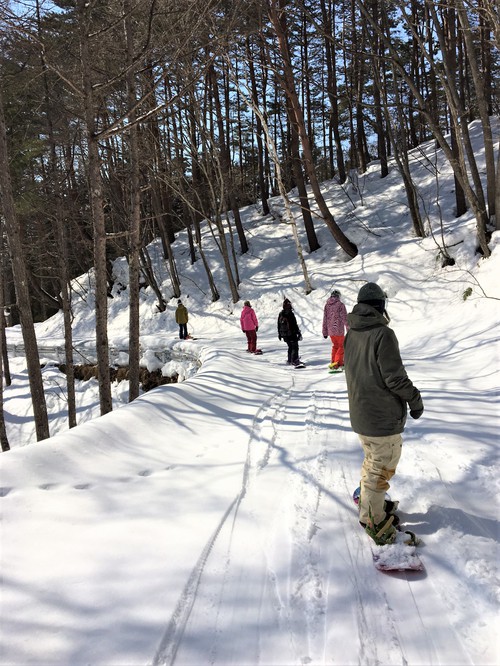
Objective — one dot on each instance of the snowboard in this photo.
(335, 371)
(258, 352)
(299, 366)
(398, 556)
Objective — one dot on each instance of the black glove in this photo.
(279, 337)
(416, 413)
(325, 336)
(256, 329)
(299, 337)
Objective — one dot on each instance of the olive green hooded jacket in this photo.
(377, 384)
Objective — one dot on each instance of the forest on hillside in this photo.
(129, 120)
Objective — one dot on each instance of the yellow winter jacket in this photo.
(181, 315)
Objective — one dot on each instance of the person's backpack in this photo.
(284, 329)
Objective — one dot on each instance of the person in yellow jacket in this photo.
(181, 317)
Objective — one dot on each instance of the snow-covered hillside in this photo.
(211, 521)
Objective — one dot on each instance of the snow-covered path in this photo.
(289, 579)
(219, 527)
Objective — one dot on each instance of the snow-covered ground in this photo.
(211, 521)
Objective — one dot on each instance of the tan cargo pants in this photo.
(382, 455)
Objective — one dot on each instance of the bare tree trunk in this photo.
(159, 192)
(263, 185)
(300, 182)
(449, 42)
(62, 242)
(399, 138)
(4, 441)
(97, 205)
(22, 288)
(225, 162)
(277, 16)
(464, 154)
(377, 50)
(225, 257)
(147, 269)
(233, 251)
(134, 235)
(328, 15)
(359, 82)
(289, 218)
(482, 105)
(497, 194)
(213, 287)
(3, 323)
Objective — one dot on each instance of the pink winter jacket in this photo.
(248, 319)
(334, 317)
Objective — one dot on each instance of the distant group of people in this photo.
(379, 390)
(334, 325)
(288, 330)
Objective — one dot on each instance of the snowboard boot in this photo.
(384, 533)
(395, 520)
(390, 509)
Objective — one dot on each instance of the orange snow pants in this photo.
(337, 349)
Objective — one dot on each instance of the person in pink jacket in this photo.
(249, 326)
(335, 326)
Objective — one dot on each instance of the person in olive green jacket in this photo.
(379, 391)
(181, 317)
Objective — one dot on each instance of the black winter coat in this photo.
(377, 384)
(293, 328)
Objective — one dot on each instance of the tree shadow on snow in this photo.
(439, 517)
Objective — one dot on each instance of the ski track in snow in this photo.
(277, 569)
(298, 603)
(258, 454)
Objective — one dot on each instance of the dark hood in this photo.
(365, 316)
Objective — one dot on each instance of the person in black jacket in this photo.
(288, 330)
(379, 391)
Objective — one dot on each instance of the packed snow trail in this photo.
(288, 556)
(273, 569)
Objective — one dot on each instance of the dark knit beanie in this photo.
(371, 292)
(287, 304)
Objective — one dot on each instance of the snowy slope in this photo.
(211, 522)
